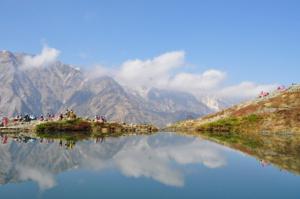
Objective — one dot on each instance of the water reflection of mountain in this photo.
(158, 157)
(281, 149)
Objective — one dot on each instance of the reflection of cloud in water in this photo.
(138, 157)
(161, 157)
(196, 152)
(141, 160)
(44, 179)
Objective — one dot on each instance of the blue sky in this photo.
(253, 40)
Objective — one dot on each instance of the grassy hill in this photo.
(277, 113)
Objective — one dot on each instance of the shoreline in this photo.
(78, 125)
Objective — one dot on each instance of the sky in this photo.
(217, 43)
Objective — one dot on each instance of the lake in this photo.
(163, 165)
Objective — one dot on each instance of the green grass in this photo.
(227, 122)
(222, 125)
(225, 130)
(231, 124)
(234, 138)
(252, 118)
(76, 125)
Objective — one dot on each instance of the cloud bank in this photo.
(166, 71)
(45, 58)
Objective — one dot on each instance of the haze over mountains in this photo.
(56, 86)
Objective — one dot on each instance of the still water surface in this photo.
(164, 165)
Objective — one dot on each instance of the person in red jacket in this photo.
(5, 121)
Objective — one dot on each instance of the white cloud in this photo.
(244, 90)
(46, 57)
(160, 72)
(167, 72)
(99, 71)
(154, 72)
(197, 83)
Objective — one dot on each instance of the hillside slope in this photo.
(278, 112)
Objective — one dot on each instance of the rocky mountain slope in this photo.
(279, 112)
(57, 86)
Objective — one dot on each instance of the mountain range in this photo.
(57, 86)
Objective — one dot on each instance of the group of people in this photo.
(99, 118)
(67, 115)
(24, 118)
(265, 94)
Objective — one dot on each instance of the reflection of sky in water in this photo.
(164, 163)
